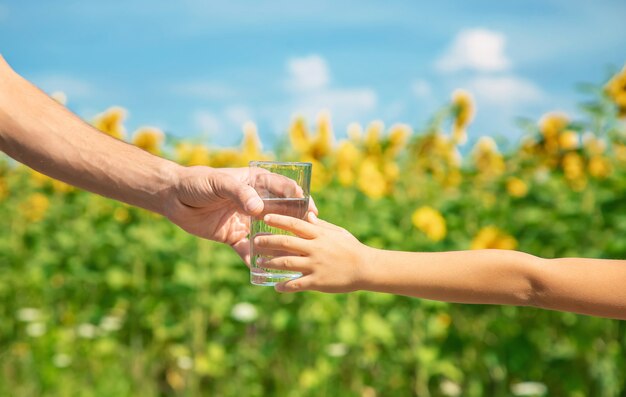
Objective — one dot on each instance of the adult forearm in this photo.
(37, 131)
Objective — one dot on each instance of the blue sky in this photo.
(202, 68)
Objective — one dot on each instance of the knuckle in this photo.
(287, 264)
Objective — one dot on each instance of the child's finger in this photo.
(300, 284)
(270, 252)
(291, 263)
(294, 225)
(317, 221)
(260, 250)
(281, 243)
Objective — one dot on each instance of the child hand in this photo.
(328, 256)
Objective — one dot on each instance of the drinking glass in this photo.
(284, 188)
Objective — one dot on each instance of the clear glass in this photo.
(284, 188)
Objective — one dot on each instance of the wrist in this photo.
(368, 268)
(171, 176)
(5, 98)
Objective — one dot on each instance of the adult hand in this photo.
(216, 203)
(211, 203)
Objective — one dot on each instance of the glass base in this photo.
(270, 279)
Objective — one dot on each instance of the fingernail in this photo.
(253, 204)
(312, 216)
(267, 218)
(261, 261)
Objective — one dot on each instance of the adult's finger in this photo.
(300, 284)
(277, 242)
(244, 196)
(242, 248)
(294, 225)
(313, 207)
(275, 185)
(291, 263)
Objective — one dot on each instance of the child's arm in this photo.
(332, 260)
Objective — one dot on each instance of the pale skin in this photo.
(332, 260)
(39, 132)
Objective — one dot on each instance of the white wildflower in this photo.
(184, 362)
(337, 349)
(529, 389)
(29, 314)
(542, 175)
(111, 323)
(61, 360)
(86, 330)
(450, 388)
(35, 330)
(244, 312)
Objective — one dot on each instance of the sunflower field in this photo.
(98, 298)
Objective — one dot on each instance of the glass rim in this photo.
(266, 162)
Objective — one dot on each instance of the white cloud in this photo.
(421, 89)
(476, 49)
(344, 104)
(308, 92)
(501, 99)
(309, 84)
(73, 87)
(505, 90)
(238, 114)
(205, 90)
(223, 125)
(207, 122)
(395, 110)
(500, 94)
(308, 73)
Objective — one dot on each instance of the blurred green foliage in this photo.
(101, 299)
